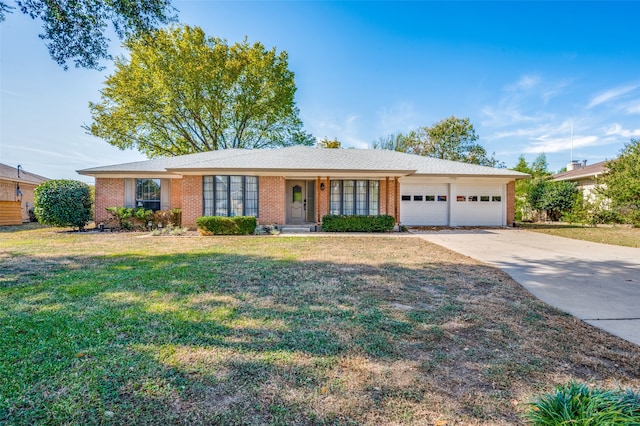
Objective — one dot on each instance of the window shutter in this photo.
(129, 193)
(165, 191)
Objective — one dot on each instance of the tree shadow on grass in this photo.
(247, 339)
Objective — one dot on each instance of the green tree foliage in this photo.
(621, 183)
(75, 29)
(63, 203)
(181, 92)
(538, 171)
(552, 197)
(394, 142)
(326, 143)
(449, 139)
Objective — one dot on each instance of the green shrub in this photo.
(357, 223)
(134, 218)
(220, 225)
(576, 404)
(63, 203)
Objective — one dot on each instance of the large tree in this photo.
(180, 92)
(452, 139)
(621, 183)
(75, 29)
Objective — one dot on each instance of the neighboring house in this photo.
(16, 194)
(585, 176)
(299, 185)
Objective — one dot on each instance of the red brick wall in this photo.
(271, 199)
(175, 196)
(191, 200)
(109, 193)
(511, 202)
(322, 198)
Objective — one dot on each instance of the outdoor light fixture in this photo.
(322, 186)
(18, 191)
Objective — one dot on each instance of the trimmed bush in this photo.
(357, 223)
(63, 203)
(221, 225)
(577, 404)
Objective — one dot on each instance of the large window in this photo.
(230, 195)
(355, 197)
(148, 193)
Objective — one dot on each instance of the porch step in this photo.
(297, 229)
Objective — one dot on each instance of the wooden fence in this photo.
(10, 213)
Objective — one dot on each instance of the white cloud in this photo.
(526, 82)
(617, 130)
(549, 145)
(634, 108)
(611, 94)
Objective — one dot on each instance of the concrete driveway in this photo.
(598, 283)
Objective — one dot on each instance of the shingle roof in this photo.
(303, 159)
(11, 173)
(582, 172)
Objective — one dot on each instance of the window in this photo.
(484, 198)
(442, 198)
(360, 197)
(461, 198)
(230, 195)
(406, 198)
(148, 194)
(429, 197)
(417, 198)
(473, 198)
(496, 198)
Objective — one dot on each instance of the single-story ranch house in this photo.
(299, 185)
(16, 194)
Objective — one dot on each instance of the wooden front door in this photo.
(296, 201)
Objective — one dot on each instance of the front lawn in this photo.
(617, 235)
(132, 329)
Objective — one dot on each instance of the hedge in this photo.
(357, 223)
(221, 225)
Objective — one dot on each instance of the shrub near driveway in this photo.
(114, 328)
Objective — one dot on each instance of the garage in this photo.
(452, 202)
(479, 205)
(424, 204)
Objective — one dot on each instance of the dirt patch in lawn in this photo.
(300, 330)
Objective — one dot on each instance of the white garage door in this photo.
(424, 204)
(478, 205)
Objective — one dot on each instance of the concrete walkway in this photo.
(598, 283)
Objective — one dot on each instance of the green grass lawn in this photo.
(616, 235)
(125, 328)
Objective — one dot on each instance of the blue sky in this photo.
(524, 73)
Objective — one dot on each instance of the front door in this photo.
(296, 201)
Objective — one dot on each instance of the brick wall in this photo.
(109, 193)
(322, 198)
(191, 200)
(511, 202)
(175, 195)
(272, 198)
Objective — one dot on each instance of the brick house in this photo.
(16, 194)
(299, 185)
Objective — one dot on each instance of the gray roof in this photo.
(592, 170)
(304, 159)
(11, 173)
